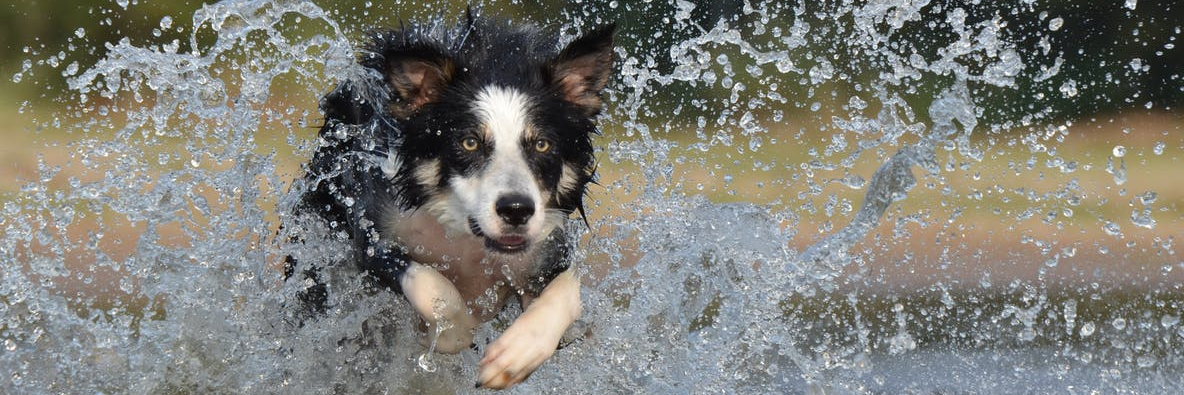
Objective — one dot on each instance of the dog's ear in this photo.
(417, 76)
(344, 104)
(583, 69)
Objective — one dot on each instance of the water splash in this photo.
(154, 268)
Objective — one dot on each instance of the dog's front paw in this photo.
(517, 353)
(450, 336)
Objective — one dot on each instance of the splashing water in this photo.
(968, 244)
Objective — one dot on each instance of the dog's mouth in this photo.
(508, 243)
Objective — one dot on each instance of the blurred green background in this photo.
(1098, 38)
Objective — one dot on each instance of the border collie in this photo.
(452, 165)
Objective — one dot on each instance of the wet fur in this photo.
(459, 231)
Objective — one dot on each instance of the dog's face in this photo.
(494, 144)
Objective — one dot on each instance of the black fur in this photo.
(391, 108)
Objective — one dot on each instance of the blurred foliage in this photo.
(1114, 56)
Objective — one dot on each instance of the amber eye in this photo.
(542, 145)
(470, 144)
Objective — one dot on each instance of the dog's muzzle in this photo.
(509, 243)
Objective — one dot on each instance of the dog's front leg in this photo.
(440, 305)
(534, 336)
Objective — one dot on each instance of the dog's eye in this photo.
(542, 145)
(470, 143)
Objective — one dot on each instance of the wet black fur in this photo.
(365, 118)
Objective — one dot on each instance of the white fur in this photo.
(567, 180)
(533, 337)
(443, 208)
(390, 165)
(427, 173)
(503, 113)
(441, 306)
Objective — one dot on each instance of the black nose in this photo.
(515, 209)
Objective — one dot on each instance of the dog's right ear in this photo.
(417, 75)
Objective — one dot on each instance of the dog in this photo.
(452, 164)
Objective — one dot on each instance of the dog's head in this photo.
(495, 126)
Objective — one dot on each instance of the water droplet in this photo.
(901, 343)
(80, 33)
(166, 22)
(1158, 148)
(1119, 151)
(1119, 170)
(1148, 197)
(1070, 312)
(425, 362)
(1143, 218)
(754, 144)
(1168, 320)
(821, 72)
(1027, 334)
(1087, 329)
(1069, 88)
(70, 70)
(1137, 65)
(853, 181)
(1119, 323)
(1112, 228)
(1055, 24)
(1131, 4)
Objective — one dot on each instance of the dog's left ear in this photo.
(583, 68)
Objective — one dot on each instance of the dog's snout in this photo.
(515, 209)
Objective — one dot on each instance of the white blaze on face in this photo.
(504, 117)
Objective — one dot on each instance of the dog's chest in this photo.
(484, 280)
